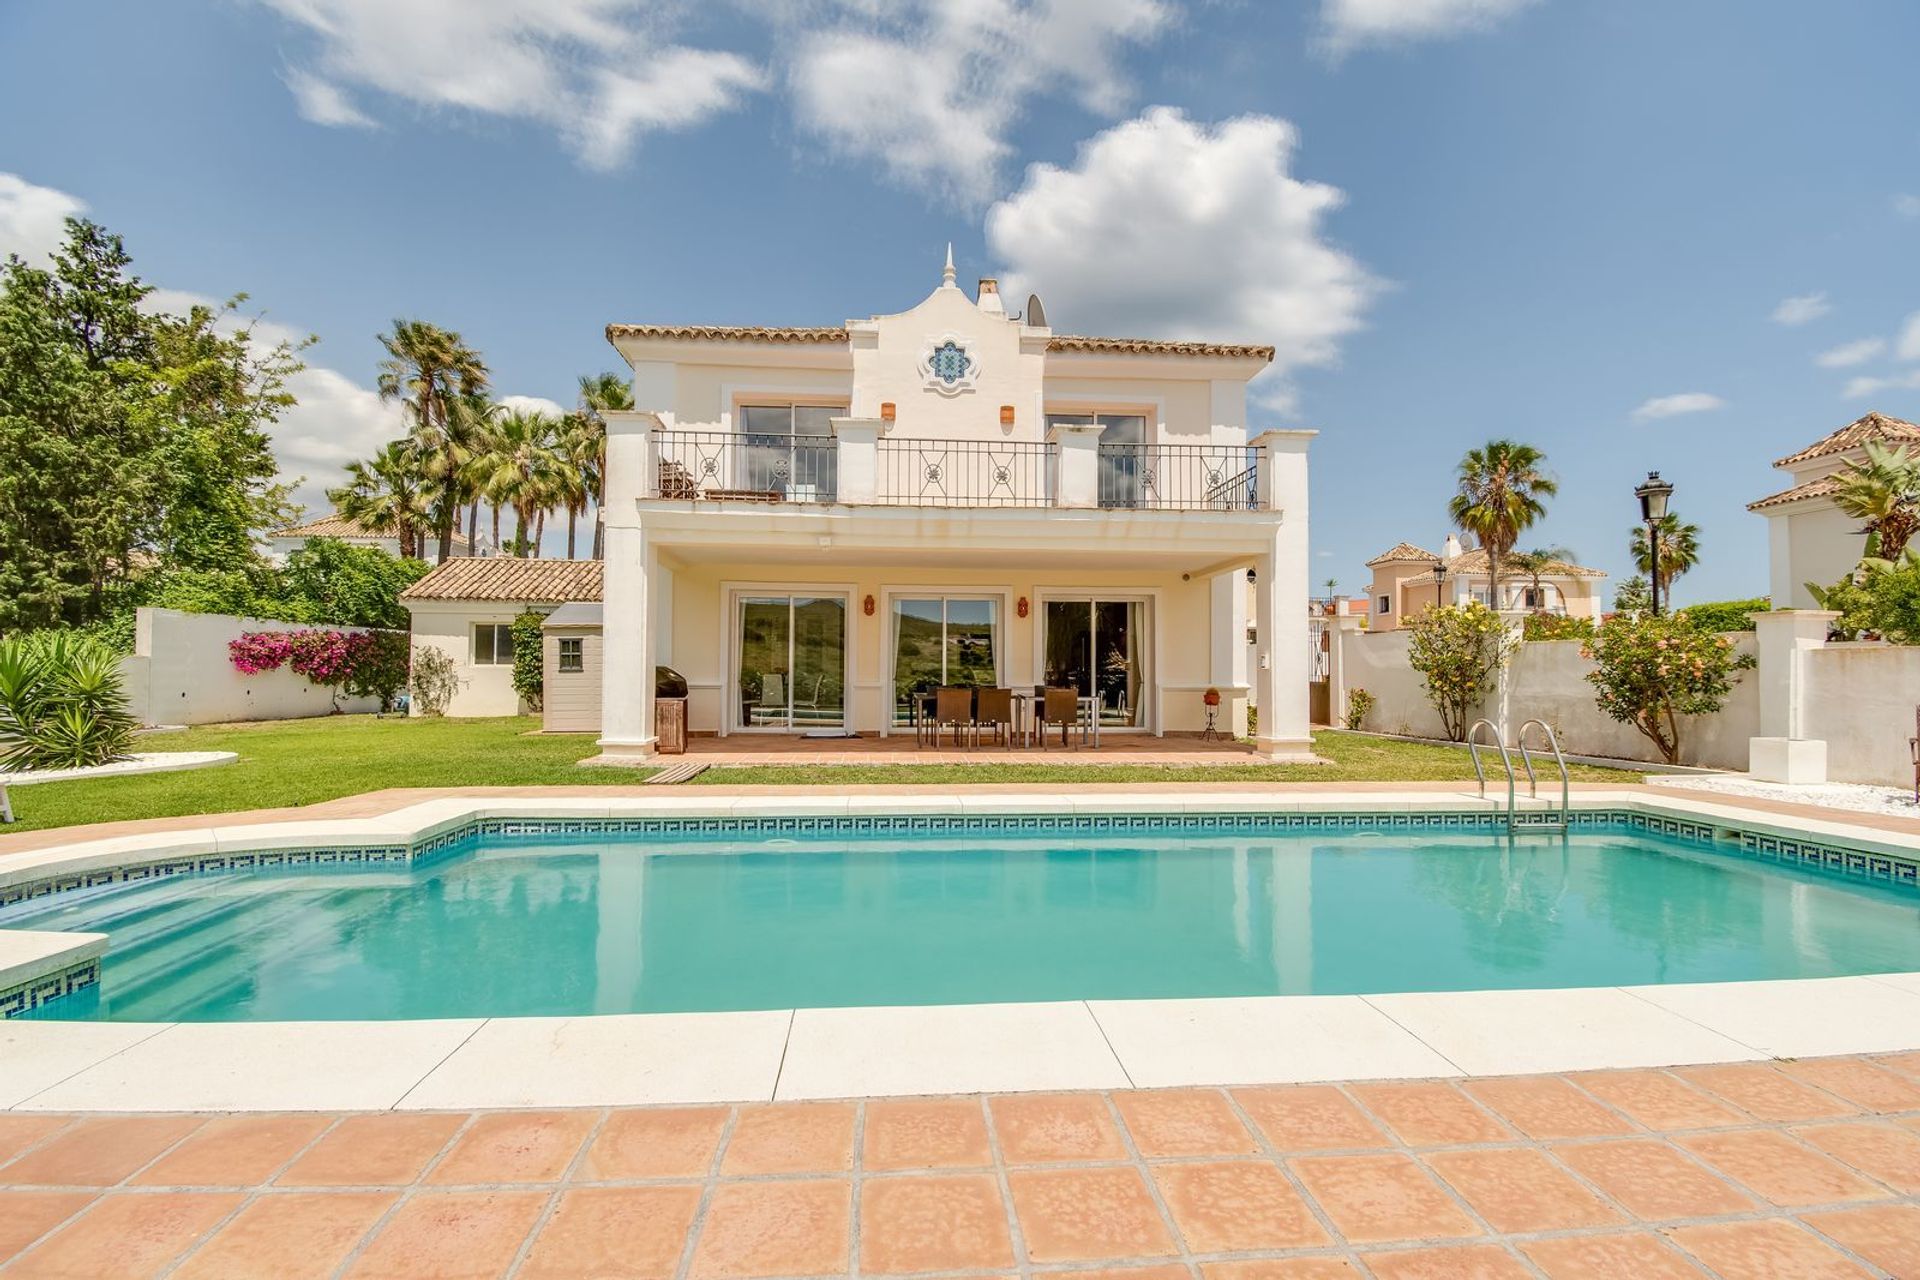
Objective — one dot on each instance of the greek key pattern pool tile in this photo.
(1669, 1176)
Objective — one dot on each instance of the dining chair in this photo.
(1061, 707)
(953, 706)
(994, 707)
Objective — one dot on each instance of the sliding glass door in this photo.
(942, 640)
(793, 661)
(1099, 647)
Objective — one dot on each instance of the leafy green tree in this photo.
(1883, 489)
(328, 580)
(1652, 670)
(1458, 650)
(529, 661)
(387, 494)
(1633, 595)
(1679, 550)
(1502, 487)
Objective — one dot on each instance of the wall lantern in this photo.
(1021, 607)
(886, 411)
(1006, 415)
(866, 606)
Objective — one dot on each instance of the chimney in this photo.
(1452, 549)
(989, 298)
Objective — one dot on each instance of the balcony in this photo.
(860, 466)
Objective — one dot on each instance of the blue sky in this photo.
(1582, 223)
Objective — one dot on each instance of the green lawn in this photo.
(297, 762)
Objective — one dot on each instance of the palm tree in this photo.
(582, 447)
(1537, 564)
(1883, 489)
(600, 393)
(1502, 485)
(387, 494)
(523, 471)
(1679, 551)
(425, 368)
(473, 421)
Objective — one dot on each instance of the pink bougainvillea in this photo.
(370, 662)
(259, 651)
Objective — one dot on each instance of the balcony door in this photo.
(942, 640)
(1099, 648)
(1124, 468)
(790, 450)
(792, 672)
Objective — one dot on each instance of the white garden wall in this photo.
(180, 673)
(1860, 699)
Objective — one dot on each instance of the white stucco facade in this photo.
(1809, 539)
(814, 526)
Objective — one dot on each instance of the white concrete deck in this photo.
(819, 1053)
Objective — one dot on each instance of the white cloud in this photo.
(1907, 206)
(1859, 388)
(1907, 345)
(33, 219)
(532, 404)
(1801, 308)
(1848, 354)
(1672, 406)
(1168, 228)
(931, 89)
(598, 72)
(1347, 24)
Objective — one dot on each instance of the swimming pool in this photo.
(509, 925)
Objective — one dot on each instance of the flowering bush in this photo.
(1551, 626)
(434, 681)
(1650, 671)
(362, 663)
(1359, 702)
(1459, 649)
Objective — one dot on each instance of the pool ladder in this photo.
(1559, 822)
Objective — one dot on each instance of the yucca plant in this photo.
(61, 704)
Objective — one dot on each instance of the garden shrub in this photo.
(434, 679)
(1459, 649)
(529, 666)
(61, 704)
(359, 663)
(1727, 615)
(1552, 626)
(1651, 671)
(1359, 702)
(1879, 601)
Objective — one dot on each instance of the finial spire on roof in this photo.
(946, 274)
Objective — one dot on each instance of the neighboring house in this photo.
(815, 524)
(282, 543)
(467, 608)
(1405, 581)
(1809, 539)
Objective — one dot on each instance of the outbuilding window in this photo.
(573, 655)
(493, 644)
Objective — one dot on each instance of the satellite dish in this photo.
(1036, 314)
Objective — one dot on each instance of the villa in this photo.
(1809, 539)
(817, 526)
(1407, 579)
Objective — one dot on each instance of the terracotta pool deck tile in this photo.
(933, 1223)
(1315, 1268)
(1869, 1087)
(1430, 1113)
(1519, 1189)
(664, 1142)
(1612, 1257)
(1906, 1064)
(131, 1234)
(1652, 1181)
(1883, 1151)
(1658, 1100)
(1237, 1206)
(1380, 1199)
(1183, 1122)
(234, 1151)
(1780, 1170)
(289, 1237)
(1771, 1247)
(1767, 1094)
(614, 1233)
(1460, 1262)
(756, 1229)
(515, 1146)
(448, 1234)
(381, 1149)
(1087, 1215)
(1309, 1117)
(98, 1151)
(940, 1133)
(20, 1130)
(790, 1137)
(1546, 1108)
(1052, 1128)
(1166, 1272)
(25, 1216)
(1886, 1235)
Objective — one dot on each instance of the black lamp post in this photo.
(1440, 584)
(1653, 497)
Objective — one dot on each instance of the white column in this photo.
(1343, 630)
(1280, 614)
(626, 692)
(1782, 639)
(1077, 473)
(859, 459)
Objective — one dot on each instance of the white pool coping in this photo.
(641, 1059)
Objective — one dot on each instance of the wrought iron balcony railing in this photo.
(745, 467)
(966, 473)
(1178, 477)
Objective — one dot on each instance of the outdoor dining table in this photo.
(1025, 718)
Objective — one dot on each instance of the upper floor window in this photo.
(1126, 473)
(1386, 605)
(790, 450)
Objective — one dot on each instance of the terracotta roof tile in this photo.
(838, 334)
(1874, 426)
(503, 578)
(1475, 561)
(1159, 346)
(1820, 488)
(1404, 553)
(338, 526)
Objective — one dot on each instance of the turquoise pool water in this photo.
(523, 926)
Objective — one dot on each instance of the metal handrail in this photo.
(1566, 782)
(1506, 761)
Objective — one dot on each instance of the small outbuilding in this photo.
(571, 651)
(466, 608)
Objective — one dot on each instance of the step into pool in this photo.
(509, 925)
